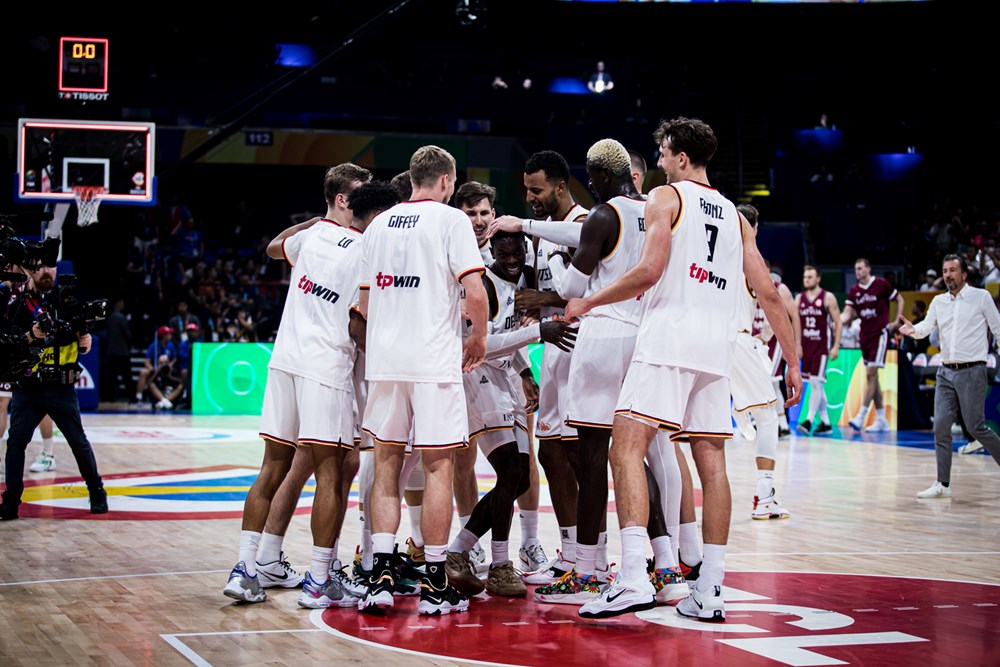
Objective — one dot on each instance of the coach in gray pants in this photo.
(964, 316)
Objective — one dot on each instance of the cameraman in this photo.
(49, 389)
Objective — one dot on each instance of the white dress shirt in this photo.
(964, 321)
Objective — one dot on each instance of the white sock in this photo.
(383, 543)
(634, 541)
(319, 568)
(249, 541)
(529, 527)
(47, 449)
(765, 483)
(415, 511)
(713, 568)
(880, 413)
(824, 416)
(602, 551)
(270, 548)
(367, 551)
(464, 541)
(336, 551)
(567, 537)
(690, 543)
(815, 398)
(501, 552)
(462, 520)
(675, 537)
(663, 553)
(586, 555)
(435, 553)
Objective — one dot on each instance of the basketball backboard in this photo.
(54, 156)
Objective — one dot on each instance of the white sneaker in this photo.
(971, 448)
(164, 404)
(956, 429)
(767, 508)
(44, 463)
(478, 559)
(533, 558)
(278, 574)
(881, 425)
(556, 569)
(857, 423)
(704, 606)
(619, 598)
(936, 490)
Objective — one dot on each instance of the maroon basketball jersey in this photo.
(871, 303)
(815, 320)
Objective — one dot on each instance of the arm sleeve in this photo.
(570, 282)
(520, 362)
(557, 232)
(500, 345)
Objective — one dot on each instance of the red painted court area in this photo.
(772, 619)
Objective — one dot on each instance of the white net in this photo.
(88, 199)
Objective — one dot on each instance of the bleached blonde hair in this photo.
(611, 155)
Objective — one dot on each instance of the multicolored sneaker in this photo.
(690, 572)
(406, 576)
(378, 598)
(324, 595)
(242, 586)
(437, 602)
(278, 574)
(571, 588)
(670, 585)
(765, 509)
(415, 554)
(44, 463)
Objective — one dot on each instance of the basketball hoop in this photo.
(88, 199)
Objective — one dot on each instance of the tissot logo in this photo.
(315, 289)
(703, 275)
(384, 280)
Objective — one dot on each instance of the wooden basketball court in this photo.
(863, 572)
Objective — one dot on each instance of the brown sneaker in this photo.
(504, 581)
(461, 575)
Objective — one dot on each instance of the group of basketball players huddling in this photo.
(406, 329)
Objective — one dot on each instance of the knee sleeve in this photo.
(767, 433)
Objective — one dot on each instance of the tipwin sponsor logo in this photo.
(383, 280)
(315, 289)
(704, 275)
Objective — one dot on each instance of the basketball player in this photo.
(753, 393)
(416, 259)
(497, 419)
(682, 387)
(546, 181)
(818, 312)
(308, 397)
(762, 329)
(868, 301)
(638, 169)
(610, 243)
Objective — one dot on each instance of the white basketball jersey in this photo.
(748, 306)
(507, 318)
(414, 257)
(687, 316)
(625, 255)
(486, 253)
(312, 339)
(545, 248)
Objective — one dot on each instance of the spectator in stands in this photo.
(119, 350)
(929, 281)
(161, 351)
(989, 261)
(193, 335)
(180, 321)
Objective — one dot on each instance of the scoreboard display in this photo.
(83, 68)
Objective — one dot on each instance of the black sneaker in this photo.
(378, 598)
(784, 431)
(823, 427)
(7, 513)
(804, 427)
(99, 501)
(437, 602)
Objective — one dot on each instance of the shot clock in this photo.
(83, 68)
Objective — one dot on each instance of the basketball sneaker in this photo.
(784, 431)
(571, 588)
(619, 598)
(406, 576)
(690, 572)
(936, 490)
(437, 602)
(822, 428)
(533, 558)
(99, 501)
(414, 554)
(378, 597)
(477, 556)
(704, 606)
(971, 447)
(278, 574)
(462, 574)
(768, 508)
(804, 427)
(44, 463)
(670, 585)
(857, 423)
(242, 586)
(354, 587)
(881, 425)
(556, 569)
(327, 594)
(504, 582)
